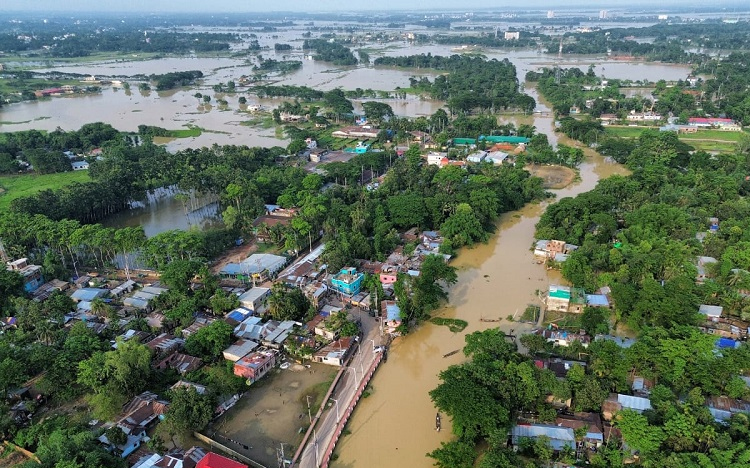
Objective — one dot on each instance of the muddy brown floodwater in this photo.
(395, 426)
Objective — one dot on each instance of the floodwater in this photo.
(162, 212)
(395, 425)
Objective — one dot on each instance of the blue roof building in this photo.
(348, 281)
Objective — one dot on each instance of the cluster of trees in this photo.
(654, 216)
(282, 67)
(666, 42)
(175, 79)
(485, 396)
(83, 41)
(44, 150)
(471, 82)
(282, 47)
(333, 52)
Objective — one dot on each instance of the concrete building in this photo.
(336, 353)
(239, 349)
(32, 274)
(255, 299)
(348, 281)
(512, 35)
(255, 365)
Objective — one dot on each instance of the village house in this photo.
(255, 299)
(79, 165)
(563, 337)
(722, 407)
(47, 289)
(512, 35)
(199, 389)
(213, 460)
(165, 343)
(318, 326)
(142, 299)
(239, 349)
(715, 122)
(436, 159)
(305, 270)
(643, 116)
(199, 323)
(364, 131)
(390, 313)
(277, 332)
(258, 267)
(618, 402)
(138, 415)
(182, 363)
(592, 422)
(176, 458)
(704, 266)
(558, 298)
(556, 250)
(317, 154)
(558, 437)
(255, 365)
(335, 353)
(32, 274)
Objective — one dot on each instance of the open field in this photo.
(555, 177)
(16, 186)
(706, 140)
(274, 411)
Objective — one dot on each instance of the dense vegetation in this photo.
(665, 42)
(655, 214)
(84, 42)
(488, 394)
(488, 40)
(176, 79)
(471, 82)
(333, 52)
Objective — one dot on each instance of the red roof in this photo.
(709, 120)
(213, 460)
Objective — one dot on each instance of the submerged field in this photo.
(16, 186)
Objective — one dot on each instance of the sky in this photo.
(312, 5)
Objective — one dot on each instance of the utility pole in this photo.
(309, 414)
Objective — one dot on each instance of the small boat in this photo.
(437, 422)
(451, 353)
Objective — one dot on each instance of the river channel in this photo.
(395, 426)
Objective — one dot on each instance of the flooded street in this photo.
(395, 425)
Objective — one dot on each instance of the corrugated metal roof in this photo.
(635, 403)
(559, 436)
(597, 300)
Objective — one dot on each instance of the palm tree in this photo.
(100, 308)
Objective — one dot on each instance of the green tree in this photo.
(188, 411)
(286, 303)
(210, 341)
(453, 454)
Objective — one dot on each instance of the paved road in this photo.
(312, 454)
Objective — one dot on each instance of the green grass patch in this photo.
(563, 319)
(531, 314)
(17, 186)
(712, 135)
(625, 132)
(190, 132)
(454, 325)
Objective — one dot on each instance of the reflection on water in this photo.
(162, 212)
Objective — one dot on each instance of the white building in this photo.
(255, 299)
(512, 35)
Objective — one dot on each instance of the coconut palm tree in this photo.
(100, 308)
